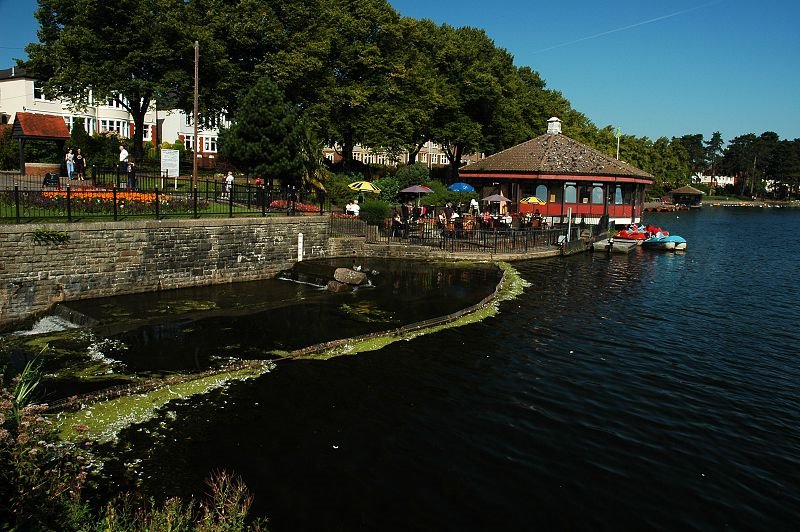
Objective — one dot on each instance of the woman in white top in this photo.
(70, 159)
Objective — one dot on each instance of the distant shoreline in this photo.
(753, 203)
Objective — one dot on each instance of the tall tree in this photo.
(131, 51)
(714, 147)
(695, 150)
(265, 135)
(475, 73)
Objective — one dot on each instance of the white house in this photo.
(20, 92)
(704, 178)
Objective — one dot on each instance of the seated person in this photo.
(486, 217)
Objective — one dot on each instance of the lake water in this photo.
(648, 391)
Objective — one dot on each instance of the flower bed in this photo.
(301, 207)
(106, 195)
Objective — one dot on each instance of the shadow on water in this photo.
(191, 330)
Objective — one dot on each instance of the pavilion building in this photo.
(571, 179)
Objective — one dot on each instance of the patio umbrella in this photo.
(495, 198)
(418, 190)
(364, 186)
(532, 200)
(461, 187)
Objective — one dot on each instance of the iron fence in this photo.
(346, 225)
(149, 196)
(497, 240)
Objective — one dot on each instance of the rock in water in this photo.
(336, 286)
(348, 276)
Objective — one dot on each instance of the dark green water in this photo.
(650, 391)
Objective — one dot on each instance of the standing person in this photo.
(356, 209)
(122, 169)
(131, 176)
(69, 158)
(259, 190)
(473, 207)
(228, 185)
(80, 164)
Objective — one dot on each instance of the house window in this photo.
(570, 193)
(541, 192)
(189, 120)
(188, 141)
(120, 127)
(115, 102)
(38, 91)
(210, 144)
(618, 195)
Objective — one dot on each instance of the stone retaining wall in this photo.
(49, 263)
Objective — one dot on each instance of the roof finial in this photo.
(554, 126)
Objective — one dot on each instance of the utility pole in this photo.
(194, 144)
(618, 134)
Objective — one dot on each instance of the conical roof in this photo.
(687, 190)
(553, 154)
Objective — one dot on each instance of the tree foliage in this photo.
(354, 72)
(127, 50)
(265, 135)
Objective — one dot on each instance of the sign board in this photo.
(170, 163)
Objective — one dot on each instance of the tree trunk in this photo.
(412, 154)
(138, 108)
(347, 151)
(455, 160)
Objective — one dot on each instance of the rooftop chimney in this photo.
(554, 126)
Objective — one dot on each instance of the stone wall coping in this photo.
(162, 224)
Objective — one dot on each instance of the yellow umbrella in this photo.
(364, 186)
(532, 200)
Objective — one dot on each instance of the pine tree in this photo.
(265, 134)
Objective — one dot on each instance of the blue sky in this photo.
(652, 69)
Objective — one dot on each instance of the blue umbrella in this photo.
(461, 187)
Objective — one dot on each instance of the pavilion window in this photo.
(541, 192)
(584, 192)
(597, 194)
(570, 194)
(618, 195)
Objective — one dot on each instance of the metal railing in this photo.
(459, 239)
(149, 197)
(456, 240)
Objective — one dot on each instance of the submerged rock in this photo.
(336, 286)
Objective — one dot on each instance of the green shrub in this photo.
(374, 211)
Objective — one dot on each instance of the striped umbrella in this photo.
(364, 186)
(532, 200)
